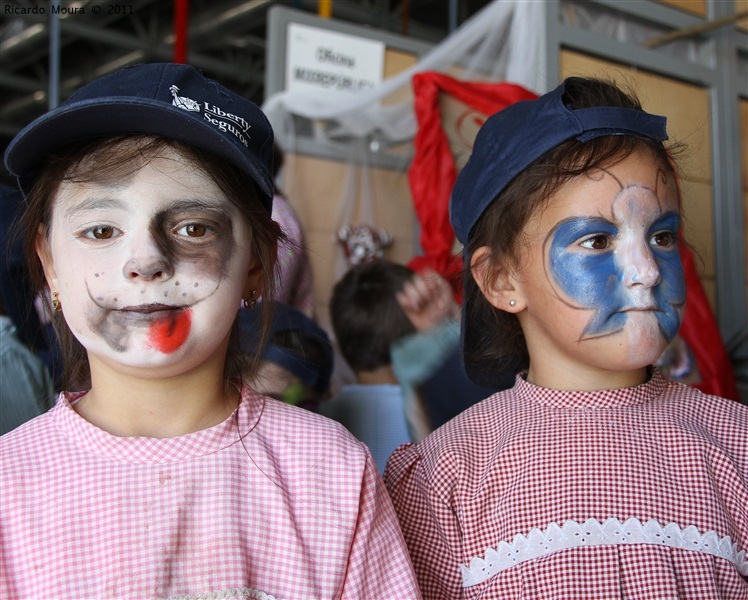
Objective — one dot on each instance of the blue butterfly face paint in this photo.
(624, 267)
(598, 280)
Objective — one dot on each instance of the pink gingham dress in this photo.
(293, 509)
(637, 493)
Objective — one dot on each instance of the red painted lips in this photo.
(169, 333)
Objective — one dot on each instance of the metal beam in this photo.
(20, 83)
(159, 50)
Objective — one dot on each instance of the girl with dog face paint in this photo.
(145, 265)
(165, 473)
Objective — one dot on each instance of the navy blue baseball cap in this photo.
(314, 373)
(515, 137)
(168, 100)
(509, 142)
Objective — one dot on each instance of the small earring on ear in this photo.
(512, 302)
(251, 302)
(56, 305)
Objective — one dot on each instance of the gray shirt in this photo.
(26, 388)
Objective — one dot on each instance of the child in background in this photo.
(149, 194)
(26, 388)
(398, 330)
(429, 361)
(367, 319)
(297, 360)
(593, 477)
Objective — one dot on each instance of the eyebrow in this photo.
(91, 204)
(671, 219)
(95, 204)
(579, 224)
(192, 204)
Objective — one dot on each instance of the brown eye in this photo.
(193, 230)
(196, 230)
(597, 242)
(663, 239)
(101, 232)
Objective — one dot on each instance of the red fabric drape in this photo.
(701, 333)
(432, 172)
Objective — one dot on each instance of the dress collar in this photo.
(638, 394)
(158, 450)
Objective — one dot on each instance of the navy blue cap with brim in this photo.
(287, 318)
(509, 142)
(168, 100)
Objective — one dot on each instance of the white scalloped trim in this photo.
(241, 593)
(593, 533)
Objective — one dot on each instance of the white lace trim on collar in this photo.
(593, 533)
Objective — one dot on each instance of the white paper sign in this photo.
(321, 62)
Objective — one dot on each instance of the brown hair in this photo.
(117, 157)
(365, 313)
(500, 227)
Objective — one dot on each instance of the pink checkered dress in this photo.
(276, 502)
(534, 493)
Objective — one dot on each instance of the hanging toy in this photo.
(363, 243)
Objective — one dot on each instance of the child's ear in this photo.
(44, 253)
(496, 282)
(254, 282)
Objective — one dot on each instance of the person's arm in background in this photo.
(428, 302)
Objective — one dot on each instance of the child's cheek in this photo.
(590, 282)
(670, 293)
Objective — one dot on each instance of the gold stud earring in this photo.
(56, 305)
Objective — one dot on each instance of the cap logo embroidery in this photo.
(183, 101)
(225, 121)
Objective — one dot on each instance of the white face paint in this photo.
(602, 277)
(151, 268)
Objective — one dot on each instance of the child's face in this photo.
(150, 268)
(602, 280)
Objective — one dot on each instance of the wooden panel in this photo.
(686, 106)
(460, 122)
(698, 229)
(741, 6)
(396, 61)
(699, 8)
(710, 289)
(695, 7)
(323, 254)
(315, 188)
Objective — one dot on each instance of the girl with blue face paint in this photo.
(580, 481)
(599, 287)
